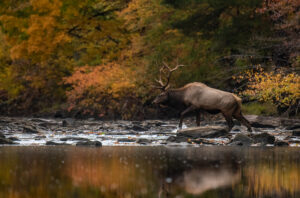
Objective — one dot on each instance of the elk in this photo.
(198, 97)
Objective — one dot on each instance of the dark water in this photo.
(127, 172)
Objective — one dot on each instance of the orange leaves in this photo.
(90, 85)
(51, 7)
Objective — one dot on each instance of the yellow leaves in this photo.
(8, 83)
(39, 32)
(278, 88)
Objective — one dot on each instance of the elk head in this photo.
(164, 95)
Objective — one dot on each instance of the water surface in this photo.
(127, 172)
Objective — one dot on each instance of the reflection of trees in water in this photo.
(31, 172)
(273, 174)
(195, 171)
(149, 172)
(114, 172)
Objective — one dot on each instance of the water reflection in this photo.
(148, 172)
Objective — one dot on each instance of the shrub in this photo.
(275, 87)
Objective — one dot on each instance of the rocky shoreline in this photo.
(268, 131)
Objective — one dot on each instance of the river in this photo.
(149, 171)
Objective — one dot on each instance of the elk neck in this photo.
(176, 96)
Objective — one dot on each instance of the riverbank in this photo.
(267, 131)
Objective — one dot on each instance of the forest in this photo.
(100, 58)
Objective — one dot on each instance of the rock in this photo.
(138, 128)
(157, 123)
(37, 120)
(264, 138)
(74, 139)
(177, 139)
(143, 141)
(296, 132)
(293, 127)
(64, 123)
(50, 143)
(68, 122)
(203, 141)
(6, 141)
(281, 143)
(241, 140)
(14, 138)
(29, 129)
(39, 137)
(126, 140)
(235, 129)
(89, 143)
(290, 124)
(203, 132)
(2, 135)
(263, 121)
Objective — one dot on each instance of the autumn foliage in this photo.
(100, 57)
(279, 88)
(102, 89)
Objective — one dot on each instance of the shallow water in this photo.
(127, 172)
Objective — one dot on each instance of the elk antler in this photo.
(164, 86)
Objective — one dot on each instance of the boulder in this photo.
(126, 140)
(296, 132)
(39, 137)
(281, 143)
(290, 124)
(264, 138)
(143, 141)
(29, 129)
(241, 140)
(263, 121)
(74, 139)
(138, 128)
(51, 143)
(203, 132)
(293, 127)
(6, 141)
(89, 143)
(68, 122)
(177, 139)
(14, 138)
(203, 141)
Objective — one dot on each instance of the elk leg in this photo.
(198, 114)
(229, 121)
(190, 108)
(243, 120)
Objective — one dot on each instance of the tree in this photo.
(285, 16)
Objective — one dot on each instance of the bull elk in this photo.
(199, 97)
